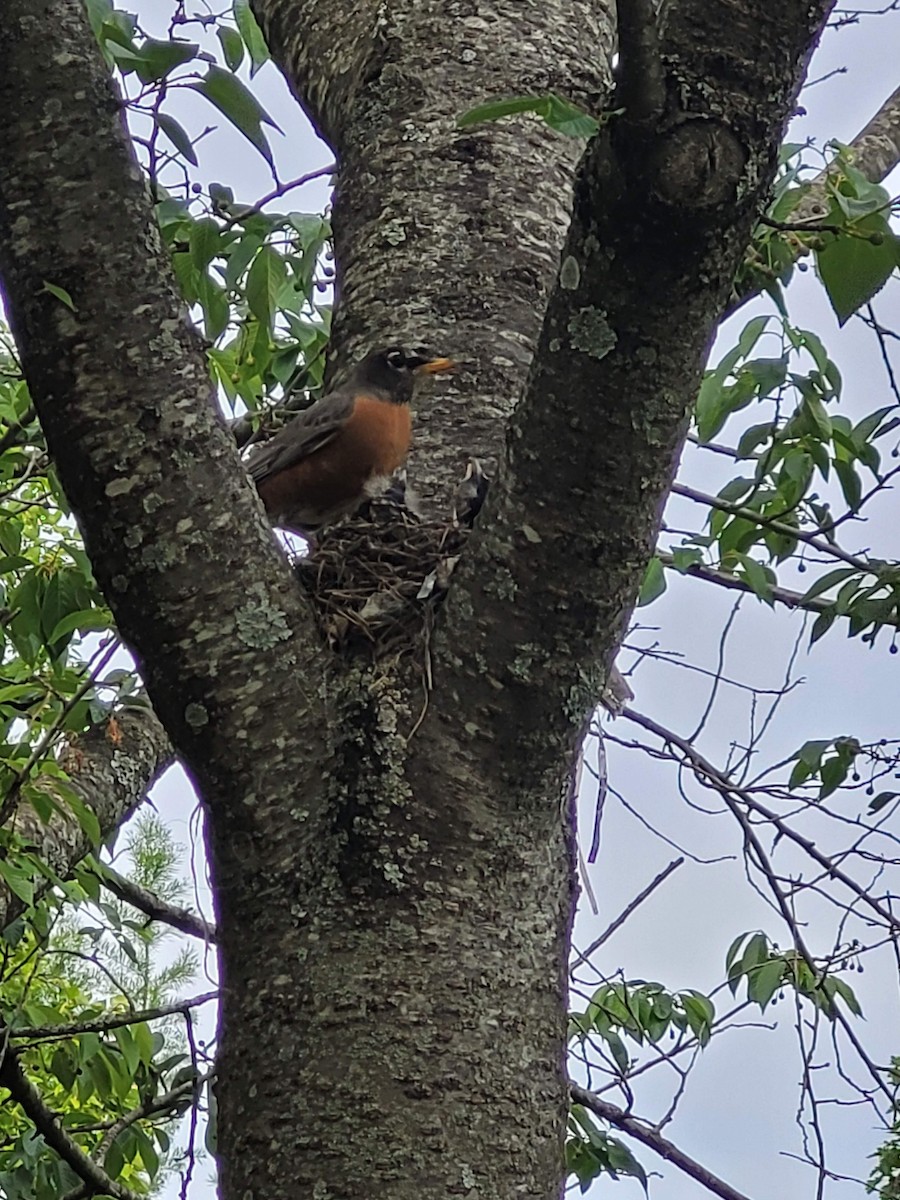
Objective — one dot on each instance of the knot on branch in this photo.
(698, 165)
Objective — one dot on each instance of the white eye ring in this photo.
(396, 359)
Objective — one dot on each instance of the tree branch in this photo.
(773, 523)
(640, 80)
(175, 533)
(656, 236)
(641, 1131)
(720, 782)
(158, 1104)
(111, 777)
(55, 1033)
(723, 579)
(29, 1099)
(876, 151)
(183, 919)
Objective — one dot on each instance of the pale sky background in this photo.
(738, 1112)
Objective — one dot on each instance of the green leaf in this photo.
(211, 1137)
(568, 119)
(820, 421)
(710, 414)
(493, 110)
(757, 577)
(62, 1067)
(264, 281)
(205, 241)
(654, 583)
(851, 485)
(98, 11)
(764, 981)
(853, 270)
(60, 293)
(811, 752)
(177, 136)
(700, 1012)
(767, 373)
(735, 490)
(559, 114)
(618, 1052)
(822, 624)
(731, 954)
(800, 773)
(867, 426)
(847, 994)
(754, 437)
(86, 817)
(252, 35)
(881, 801)
(19, 881)
(114, 1159)
(239, 106)
(81, 620)
(828, 580)
(623, 1162)
(685, 557)
(232, 46)
(157, 58)
(751, 334)
(214, 302)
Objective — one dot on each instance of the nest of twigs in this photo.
(375, 579)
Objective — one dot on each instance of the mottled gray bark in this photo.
(394, 882)
(663, 211)
(110, 775)
(446, 235)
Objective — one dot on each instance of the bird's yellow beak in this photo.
(435, 365)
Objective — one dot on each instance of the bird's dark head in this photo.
(395, 370)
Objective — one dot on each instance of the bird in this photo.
(344, 449)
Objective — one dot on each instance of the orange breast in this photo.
(377, 435)
(332, 481)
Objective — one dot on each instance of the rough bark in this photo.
(446, 235)
(663, 211)
(111, 776)
(394, 889)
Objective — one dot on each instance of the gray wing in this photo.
(300, 438)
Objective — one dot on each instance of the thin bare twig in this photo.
(627, 911)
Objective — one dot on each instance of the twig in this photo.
(42, 1033)
(726, 787)
(645, 1133)
(253, 209)
(725, 579)
(803, 226)
(166, 1101)
(627, 911)
(748, 514)
(147, 902)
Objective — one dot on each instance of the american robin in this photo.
(345, 448)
